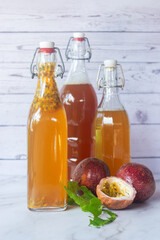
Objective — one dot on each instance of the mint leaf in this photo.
(113, 215)
(70, 201)
(98, 222)
(73, 187)
(87, 193)
(72, 190)
(94, 206)
(88, 203)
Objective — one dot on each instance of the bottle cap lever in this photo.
(33, 66)
(100, 79)
(62, 68)
(122, 79)
(98, 76)
(88, 50)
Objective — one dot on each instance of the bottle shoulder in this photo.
(38, 115)
(110, 102)
(77, 78)
(78, 88)
(108, 108)
(111, 116)
(78, 93)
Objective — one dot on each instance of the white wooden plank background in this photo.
(125, 46)
(84, 15)
(125, 30)
(140, 77)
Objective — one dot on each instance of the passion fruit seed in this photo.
(112, 190)
(115, 193)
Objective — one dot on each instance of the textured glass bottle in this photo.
(111, 125)
(47, 138)
(80, 102)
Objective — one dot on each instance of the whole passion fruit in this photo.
(89, 172)
(115, 193)
(140, 177)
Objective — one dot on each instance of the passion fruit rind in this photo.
(115, 193)
(89, 172)
(141, 179)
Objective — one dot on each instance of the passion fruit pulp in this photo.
(115, 193)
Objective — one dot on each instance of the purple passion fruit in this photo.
(115, 193)
(89, 172)
(140, 177)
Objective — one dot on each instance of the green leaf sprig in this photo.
(83, 197)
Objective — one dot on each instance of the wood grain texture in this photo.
(128, 31)
(90, 15)
(141, 108)
(15, 78)
(14, 141)
(17, 169)
(126, 47)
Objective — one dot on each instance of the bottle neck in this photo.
(77, 73)
(110, 99)
(78, 66)
(47, 90)
(46, 71)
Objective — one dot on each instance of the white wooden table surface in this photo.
(138, 222)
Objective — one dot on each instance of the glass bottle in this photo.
(47, 136)
(111, 125)
(80, 102)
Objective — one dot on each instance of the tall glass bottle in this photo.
(111, 125)
(47, 137)
(80, 102)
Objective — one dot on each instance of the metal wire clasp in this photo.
(98, 76)
(88, 51)
(34, 66)
(100, 79)
(60, 70)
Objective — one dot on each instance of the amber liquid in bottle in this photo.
(111, 124)
(47, 145)
(80, 103)
(112, 138)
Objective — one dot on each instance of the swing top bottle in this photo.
(47, 136)
(80, 102)
(111, 126)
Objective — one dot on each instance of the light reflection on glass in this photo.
(69, 98)
(36, 117)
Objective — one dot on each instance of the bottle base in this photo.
(48, 209)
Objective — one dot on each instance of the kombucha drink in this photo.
(111, 124)
(80, 103)
(47, 145)
(112, 138)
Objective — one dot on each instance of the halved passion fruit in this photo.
(115, 193)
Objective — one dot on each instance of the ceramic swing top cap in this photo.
(78, 35)
(46, 44)
(110, 63)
